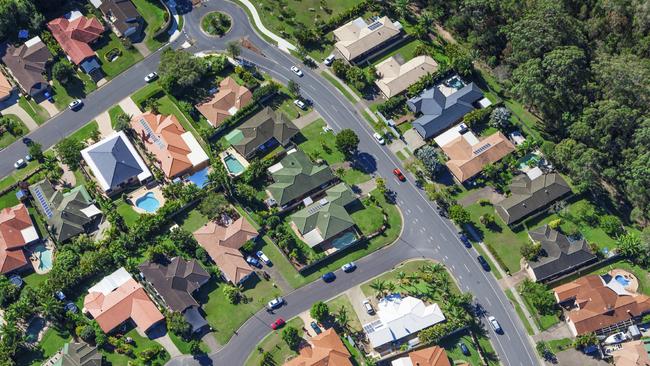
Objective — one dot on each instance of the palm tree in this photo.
(402, 7)
(390, 287)
(380, 288)
(401, 278)
(342, 318)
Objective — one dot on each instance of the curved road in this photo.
(425, 233)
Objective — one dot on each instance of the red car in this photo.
(278, 323)
(399, 175)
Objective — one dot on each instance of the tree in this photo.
(500, 118)
(8, 292)
(231, 293)
(87, 333)
(381, 185)
(177, 324)
(291, 337)
(180, 71)
(35, 150)
(246, 194)
(477, 117)
(543, 349)
(630, 246)
(122, 122)
(585, 340)
(488, 219)
(195, 347)
(319, 311)
(530, 250)
(342, 318)
(294, 88)
(459, 215)
(611, 225)
(69, 151)
(18, 14)
(233, 49)
(379, 286)
(539, 296)
(347, 142)
(63, 71)
(214, 206)
(429, 157)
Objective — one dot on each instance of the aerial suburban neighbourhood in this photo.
(324, 182)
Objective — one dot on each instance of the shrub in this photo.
(611, 225)
(429, 157)
(459, 215)
(530, 251)
(291, 337)
(555, 224)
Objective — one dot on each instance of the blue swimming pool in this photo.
(44, 254)
(148, 202)
(233, 165)
(344, 240)
(622, 280)
(200, 178)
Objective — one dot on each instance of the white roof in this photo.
(274, 168)
(33, 41)
(403, 361)
(96, 3)
(484, 103)
(401, 317)
(29, 234)
(534, 173)
(197, 156)
(91, 211)
(313, 238)
(111, 282)
(517, 137)
(453, 133)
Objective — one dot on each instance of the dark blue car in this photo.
(329, 277)
(484, 263)
(465, 241)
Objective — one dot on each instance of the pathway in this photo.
(104, 122)
(68, 176)
(26, 118)
(357, 298)
(209, 339)
(129, 107)
(283, 44)
(306, 119)
(169, 346)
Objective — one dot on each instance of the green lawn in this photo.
(451, 346)
(558, 345)
(127, 212)
(153, 13)
(406, 50)
(85, 132)
(225, 317)
(6, 138)
(140, 344)
(641, 274)
(78, 88)
(52, 341)
(274, 344)
(191, 220)
(338, 86)
(113, 113)
(543, 322)
(127, 58)
(344, 301)
(184, 346)
(409, 267)
(18, 175)
(519, 311)
(38, 113)
(369, 218)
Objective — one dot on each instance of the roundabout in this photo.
(216, 24)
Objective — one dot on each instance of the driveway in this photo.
(356, 298)
(129, 107)
(572, 357)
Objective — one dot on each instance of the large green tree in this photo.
(16, 15)
(180, 71)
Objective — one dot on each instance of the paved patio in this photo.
(413, 139)
(306, 119)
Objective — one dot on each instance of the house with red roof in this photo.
(75, 32)
(16, 231)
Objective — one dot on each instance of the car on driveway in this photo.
(349, 267)
(277, 324)
(151, 77)
(297, 71)
(399, 175)
(260, 254)
(300, 104)
(495, 324)
(75, 104)
(253, 262)
(368, 306)
(465, 240)
(21, 163)
(329, 277)
(275, 303)
(329, 60)
(483, 263)
(316, 328)
(379, 138)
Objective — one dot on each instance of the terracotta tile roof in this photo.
(128, 301)
(75, 35)
(231, 263)
(5, 87)
(16, 231)
(230, 98)
(326, 349)
(395, 77)
(635, 353)
(600, 301)
(466, 160)
(430, 356)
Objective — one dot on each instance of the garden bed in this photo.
(216, 23)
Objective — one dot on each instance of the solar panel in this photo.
(482, 149)
(312, 210)
(372, 327)
(374, 25)
(150, 134)
(41, 200)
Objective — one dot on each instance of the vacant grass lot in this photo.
(126, 59)
(38, 113)
(6, 138)
(154, 15)
(274, 344)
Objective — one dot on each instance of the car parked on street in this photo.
(465, 240)
(495, 324)
(329, 277)
(329, 60)
(275, 303)
(316, 328)
(151, 77)
(368, 306)
(349, 267)
(399, 175)
(260, 254)
(75, 105)
(21, 163)
(484, 263)
(379, 138)
(277, 324)
(297, 71)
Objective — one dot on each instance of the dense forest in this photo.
(583, 67)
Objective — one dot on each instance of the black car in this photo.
(316, 328)
(465, 241)
(464, 349)
(27, 141)
(329, 277)
(484, 263)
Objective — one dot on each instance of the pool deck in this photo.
(36, 261)
(633, 285)
(157, 193)
(232, 152)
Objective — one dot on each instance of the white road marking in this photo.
(467, 268)
(419, 208)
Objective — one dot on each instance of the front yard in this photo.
(409, 268)
(8, 138)
(154, 15)
(343, 301)
(274, 344)
(38, 113)
(78, 88)
(108, 45)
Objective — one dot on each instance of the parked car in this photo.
(260, 254)
(329, 277)
(21, 163)
(399, 175)
(484, 263)
(329, 60)
(28, 157)
(465, 240)
(300, 104)
(368, 306)
(253, 262)
(71, 307)
(379, 138)
(59, 295)
(277, 324)
(151, 77)
(316, 328)
(16, 280)
(495, 324)
(349, 267)
(27, 141)
(464, 349)
(297, 71)
(75, 104)
(275, 303)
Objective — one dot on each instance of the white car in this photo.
(275, 303)
(329, 60)
(75, 104)
(20, 164)
(300, 104)
(495, 324)
(151, 77)
(260, 254)
(379, 138)
(369, 309)
(296, 70)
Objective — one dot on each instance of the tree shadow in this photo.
(364, 162)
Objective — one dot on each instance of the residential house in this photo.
(296, 177)
(326, 219)
(529, 196)
(75, 33)
(559, 255)
(122, 16)
(262, 132)
(16, 231)
(27, 64)
(115, 163)
(223, 241)
(356, 40)
(78, 354)
(325, 349)
(118, 298)
(174, 282)
(395, 76)
(633, 353)
(6, 89)
(600, 304)
(229, 98)
(68, 214)
(441, 106)
(468, 155)
(430, 356)
(400, 320)
(176, 151)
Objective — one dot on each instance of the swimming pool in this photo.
(622, 280)
(34, 328)
(44, 254)
(200, 178)
(529, 160)
(148, 202)
(344, 240)
(233, 165)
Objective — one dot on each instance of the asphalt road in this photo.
(425, 233)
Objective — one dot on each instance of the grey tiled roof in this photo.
(115, 161)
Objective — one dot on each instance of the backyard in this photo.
(50, 344)
(274, 344)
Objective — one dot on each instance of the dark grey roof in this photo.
(262, 127)
(528, 196)
(115, 161)
(79, 354)
(440, 112)
(176, 281)
(27, 64)
(560, 253)
(123, 12)
(194, 318)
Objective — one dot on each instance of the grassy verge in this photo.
(38, 113)
(338, 86)
(6, 138)
(494, 270)
(113, 113)
(519, 311)
(274, 344)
